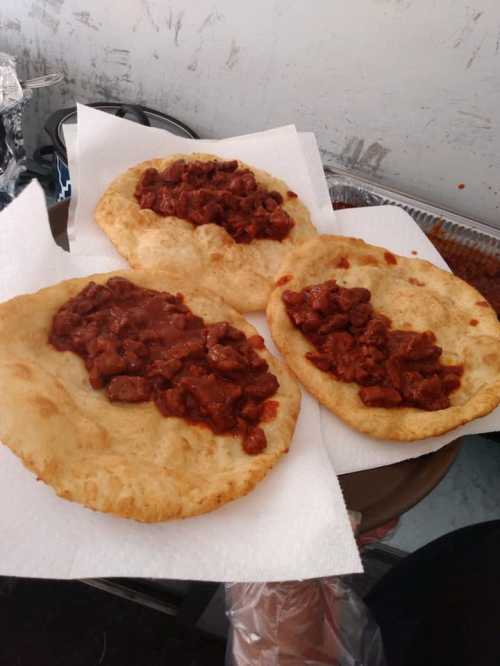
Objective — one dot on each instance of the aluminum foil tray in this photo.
(355, 191)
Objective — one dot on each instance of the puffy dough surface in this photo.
(125, 459)
(416, 296)
(240, 273)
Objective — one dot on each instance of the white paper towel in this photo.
(293, 525)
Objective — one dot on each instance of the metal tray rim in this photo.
(409, 200)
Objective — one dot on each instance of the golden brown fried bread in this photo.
(240, 273)
(415, 296)
(123, 458)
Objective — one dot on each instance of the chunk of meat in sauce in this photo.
(479, 269)
(263, 388)
(216, 192)
(394, 368)
(380, 396)
(215, 399)
(226, 359)
(129, 389)
(255, 441)
(142, 345)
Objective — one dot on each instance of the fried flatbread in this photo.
(416, 296)
(242, 274)
(123, 458)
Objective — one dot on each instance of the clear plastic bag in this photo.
(304, 623)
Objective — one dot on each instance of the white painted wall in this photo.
(405, 90)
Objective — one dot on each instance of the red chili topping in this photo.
(283, 280)
(256, 341)
(395, 368)
(343, 262)
(390, 258)
(140, 345)
(270, 409)
(473, 322)
(215, 193)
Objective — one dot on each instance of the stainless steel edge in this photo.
(341, 177)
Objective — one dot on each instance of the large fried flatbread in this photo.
(240, 273)
(122, 458)
(416, 296)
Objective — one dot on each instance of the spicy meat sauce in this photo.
(475, 267)
(216, 192)
(394, 368)
(140, 345)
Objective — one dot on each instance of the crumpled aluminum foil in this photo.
(12, 153)
(11, 92)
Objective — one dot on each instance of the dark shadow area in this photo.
(56, 623)
(440, 606)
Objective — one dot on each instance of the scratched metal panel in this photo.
(402, 91)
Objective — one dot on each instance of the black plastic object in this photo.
(60, 180)
(135, 111)
(141, 114)
(441, 605)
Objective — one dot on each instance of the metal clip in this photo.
(43, 81)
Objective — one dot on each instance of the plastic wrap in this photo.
(304, 623)
(12, 153)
